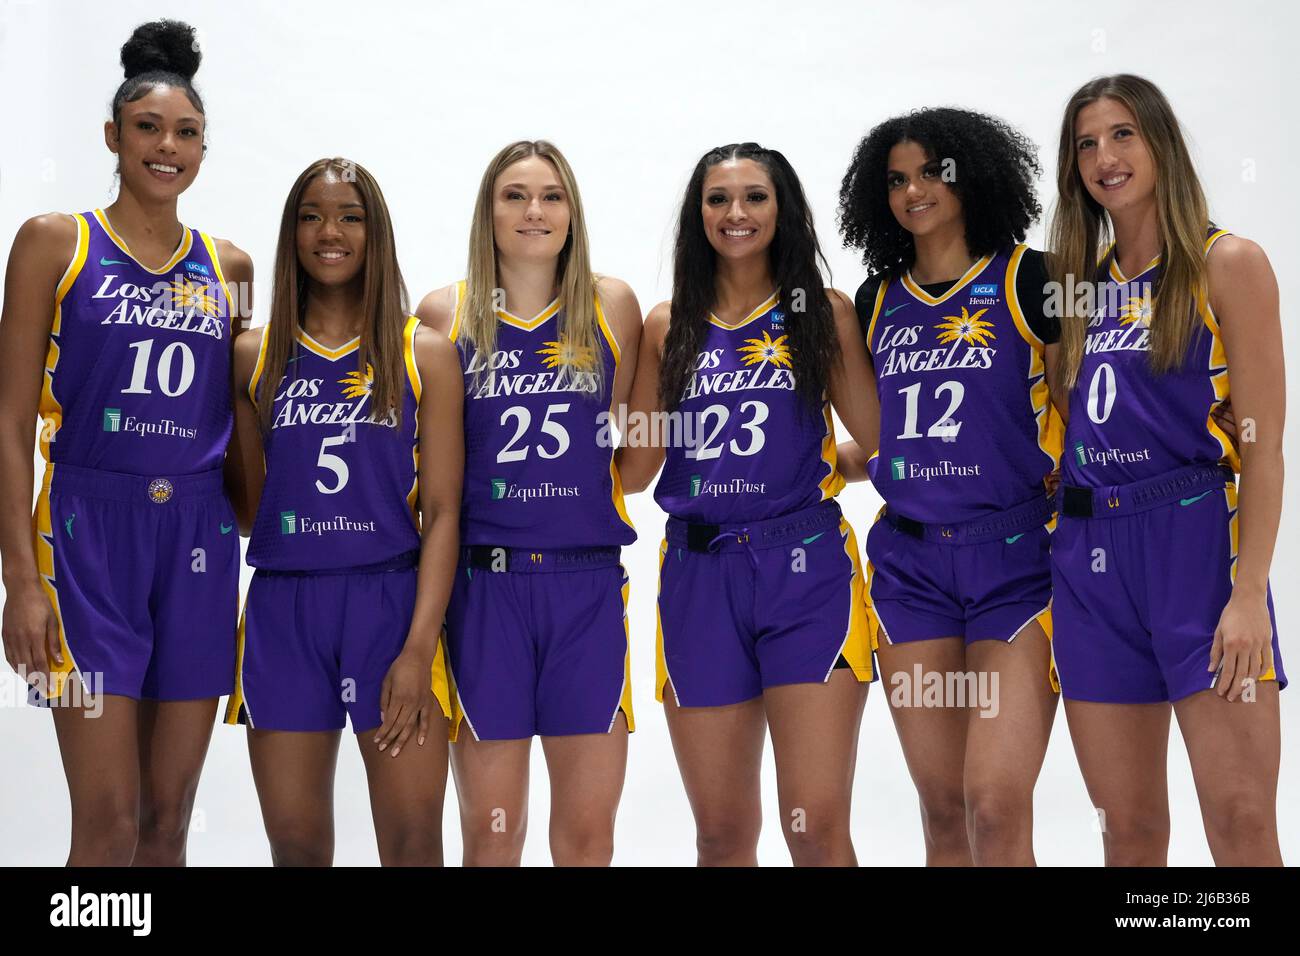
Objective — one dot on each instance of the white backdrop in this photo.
(423, 94)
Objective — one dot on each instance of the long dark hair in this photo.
(793, 258)
(385, 303)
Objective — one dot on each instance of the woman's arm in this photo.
(853, 392)
(40, 256)
(638, 464)
(407, 695)
(1244, 296)
(245, 463)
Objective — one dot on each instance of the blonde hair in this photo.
(1081, 231)
(577, 283)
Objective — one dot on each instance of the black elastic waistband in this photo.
(1113, 501)
(401, 562)
(1002, 524)
(500, 559)
(765, 533)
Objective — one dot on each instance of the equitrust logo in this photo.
(898, 468)
(288, 522)
(112, 419)
(1079, 454)
(697, 482)
(498, 489)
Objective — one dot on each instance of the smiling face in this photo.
(920, 200)
(159, 144)
(331, 234)
(1112, 157)
(739, 208)
(530, 211)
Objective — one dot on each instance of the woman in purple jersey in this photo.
(537, 621)
(938, 201)
(1162, 602)
(355, 409)
(762, 624)
(148, 647)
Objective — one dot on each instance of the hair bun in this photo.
(167, 46)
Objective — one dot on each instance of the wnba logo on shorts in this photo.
(288, 522)
(898, 468)
(498, 489)
(696, 482)
(112, 419)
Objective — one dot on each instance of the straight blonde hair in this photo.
(579, 325)
(1081, 230)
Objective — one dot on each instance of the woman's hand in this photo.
(31, 635)
(406, 700)
(1243, 644)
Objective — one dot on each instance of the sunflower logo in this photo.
(1136, 309)
(971, 329)
(188, 295)
(358, 385)
(580, 358)
(766, 349)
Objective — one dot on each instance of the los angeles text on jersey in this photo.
(764, 375)
(494, 379)
(895, 342)
(179, 305)
(297, 409)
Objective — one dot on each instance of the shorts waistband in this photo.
(402, 562)
(1023, 517)
(1113, 501)
(499, 559)
(765, 533)
(115, 486)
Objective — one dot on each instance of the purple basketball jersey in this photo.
(750, 447)
(137, 375)
(967, 427)
(340, 486)
(537, 472)
(1126, 423)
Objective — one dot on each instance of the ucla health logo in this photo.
(198, 267)
(112, 419)
(498, 489)
(778, 320)
(288, 522)
(984, 288)
(898, 468)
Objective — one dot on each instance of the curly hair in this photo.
(158, 53)
(793, 258)
(995, 165)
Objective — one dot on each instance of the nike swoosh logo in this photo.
(813, 538)
(68, 524)
(1016, 538)
(1191, 501)
(226, 528)
(112, 262)
(889, 312)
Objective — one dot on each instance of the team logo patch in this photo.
(567, 354)
(971, 329)
(160, 491)
(187, 296)
(766, 350)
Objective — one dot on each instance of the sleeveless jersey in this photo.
(340, 487)
(1127, 423)
(967, 427)
(750, 447)
(137, 374)
(539, 461)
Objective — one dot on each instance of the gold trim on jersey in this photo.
(616, 480)
(1217, 368)
(187, 240)
(259, 366)
(625, 695)
(49, 408)
(237, 701)
(874, 623)
(833, 483)
(324, 351)
(43, 541)
(917, 292)
(528, 325)
(857, 646)
(457, 309)
(1119, 276)
(662, 677)
(1051, 429)
(875, 311)
(768, 304)
(210, 244)
(417, 387)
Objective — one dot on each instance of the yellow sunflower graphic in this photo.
(580, 358)
(191, 295)
(1136, 309)
(971, 329)
(766, 349)
(357, 384)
